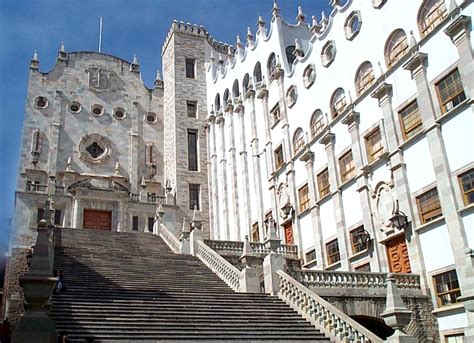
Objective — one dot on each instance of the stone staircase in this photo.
(131, 287)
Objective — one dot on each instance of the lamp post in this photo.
(363, 239)
(399, 220)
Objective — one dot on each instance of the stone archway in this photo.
(376, 325)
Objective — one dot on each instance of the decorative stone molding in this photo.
(94, 149)
(352, 25)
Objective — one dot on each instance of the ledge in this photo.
(463, 105)
(333, 266)
(412, 140)
(430, 225)
(467, 209)
(359, 254)
(310, 264)
(449, 308)
(346, 184)
(305, 212)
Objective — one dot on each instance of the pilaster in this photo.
(134, 146)
(54, 133)
(214, 176)
(225, 218)
(245, 176)
(233, 175)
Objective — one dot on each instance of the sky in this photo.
(129, 27)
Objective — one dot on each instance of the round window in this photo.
(150, 117)
(119, 113)
(75, 107)
(41, 102)
(97, 110)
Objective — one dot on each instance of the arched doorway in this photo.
(375, 325)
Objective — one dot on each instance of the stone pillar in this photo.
(363, 188)
(459, 32)
(245, 176)
(225, 217)
(233, 174)
(256, 164)
(417, 65)
(214, 176)
(195, 236)
(134, 146)
(77, 214)
(271, 264)
(328, 141)
(54, 134)
(468, 295)
(249, 282)
(400, 181)
(210, 183)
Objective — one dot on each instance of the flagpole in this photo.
(100, 34)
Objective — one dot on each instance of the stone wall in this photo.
(16, 267)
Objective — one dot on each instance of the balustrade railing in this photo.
(354, 280)
(59, 190)
(169, 238)
(236, 247)
(320, 313)
(135, 196)
(156, 199)
(36, 187)
(223, 269)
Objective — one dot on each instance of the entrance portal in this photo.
(397, 253)
(97, 220)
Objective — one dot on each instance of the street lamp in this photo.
(287, 209)
(363, 239)
(399, 220)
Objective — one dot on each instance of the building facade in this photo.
(352, 132)
(357, 125)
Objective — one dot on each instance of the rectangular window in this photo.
(275, 114)
(190, 68)
(373, 142)
(151, 222)
(467, 186)
(310, 256)
(410, 120)
(194, 191)
(429, 206)
(450, 91)
(135, 223)
(457, 338)
(446, 287)
(332, 250)
(346, 165)
(192, 150)
(323, 183)
(357, 245)
(191, 109)
(363, 268)
(303, 197)
(255, 233)
(279, 160)
(57, 217)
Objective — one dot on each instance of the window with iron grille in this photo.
(450, 91)
(194, 191)
(332, 251)
(410, 120)
(279, 159)
(190, 68)
(346, 165)
(365, 77)
(192, 150)
(429, 206)
(303, 197)
(446, 287)
(191, 109)
(374, 145)
(467, 186)
(298, 141)
(323, 183)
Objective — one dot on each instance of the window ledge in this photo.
(443, 118)
(275, 123)
(412, 140)
(333, 266)
(358, 255)
(431, 224)
(347, 183)
(448, 308)
(310, 264)
(305, 212)
(324, 199)
(467, 209)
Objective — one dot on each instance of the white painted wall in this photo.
(419, 165)
(468, 221)
(328, 221)
(433, 242)
(452, 321)
(307, 236)
(458, 132)
(352, 207)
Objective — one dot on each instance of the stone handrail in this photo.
(169, 238)
(237, 247)
(354, 280)
(223, 269)
(321, 314)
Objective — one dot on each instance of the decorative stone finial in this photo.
(380, 67)
(135, 66)
(298, 50)
(34, 62)
(249, 36)
(238, 44)
(275, 10)
(143, 183)
(349, 96)
(412, 40)
(396, 315)
(315, 27)
(117, 169)
(324, 20)
(230, 54)
(452, 5)
(300, 18)
(261, 26)
(68, 164)
(62, 47)
(168, 187)
(158, 80)
(221, 60)
(260, 21)
(212, 58)
(62, 54)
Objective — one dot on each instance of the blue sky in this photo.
(130, 27)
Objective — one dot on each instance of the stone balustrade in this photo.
(333, 322)
(223, 269)
(156, 199)
(339, 281)
(36, 187)
(169, 238)
(236, 248)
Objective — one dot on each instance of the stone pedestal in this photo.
(271, 264)
(196, 235)
(249, 282)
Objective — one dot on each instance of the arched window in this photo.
(271, 64)
(298, 140)
(257, 72)
(318, 123)
(396, 47)
(217, 102)
(430, 14)
(245, 83)
(289, 54)
(364, 77)
(36, 146)
(235, 89)
(338, 102)
(226, 96)
(150, 155)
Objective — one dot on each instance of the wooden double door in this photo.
(97, 220)
(397, 254)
